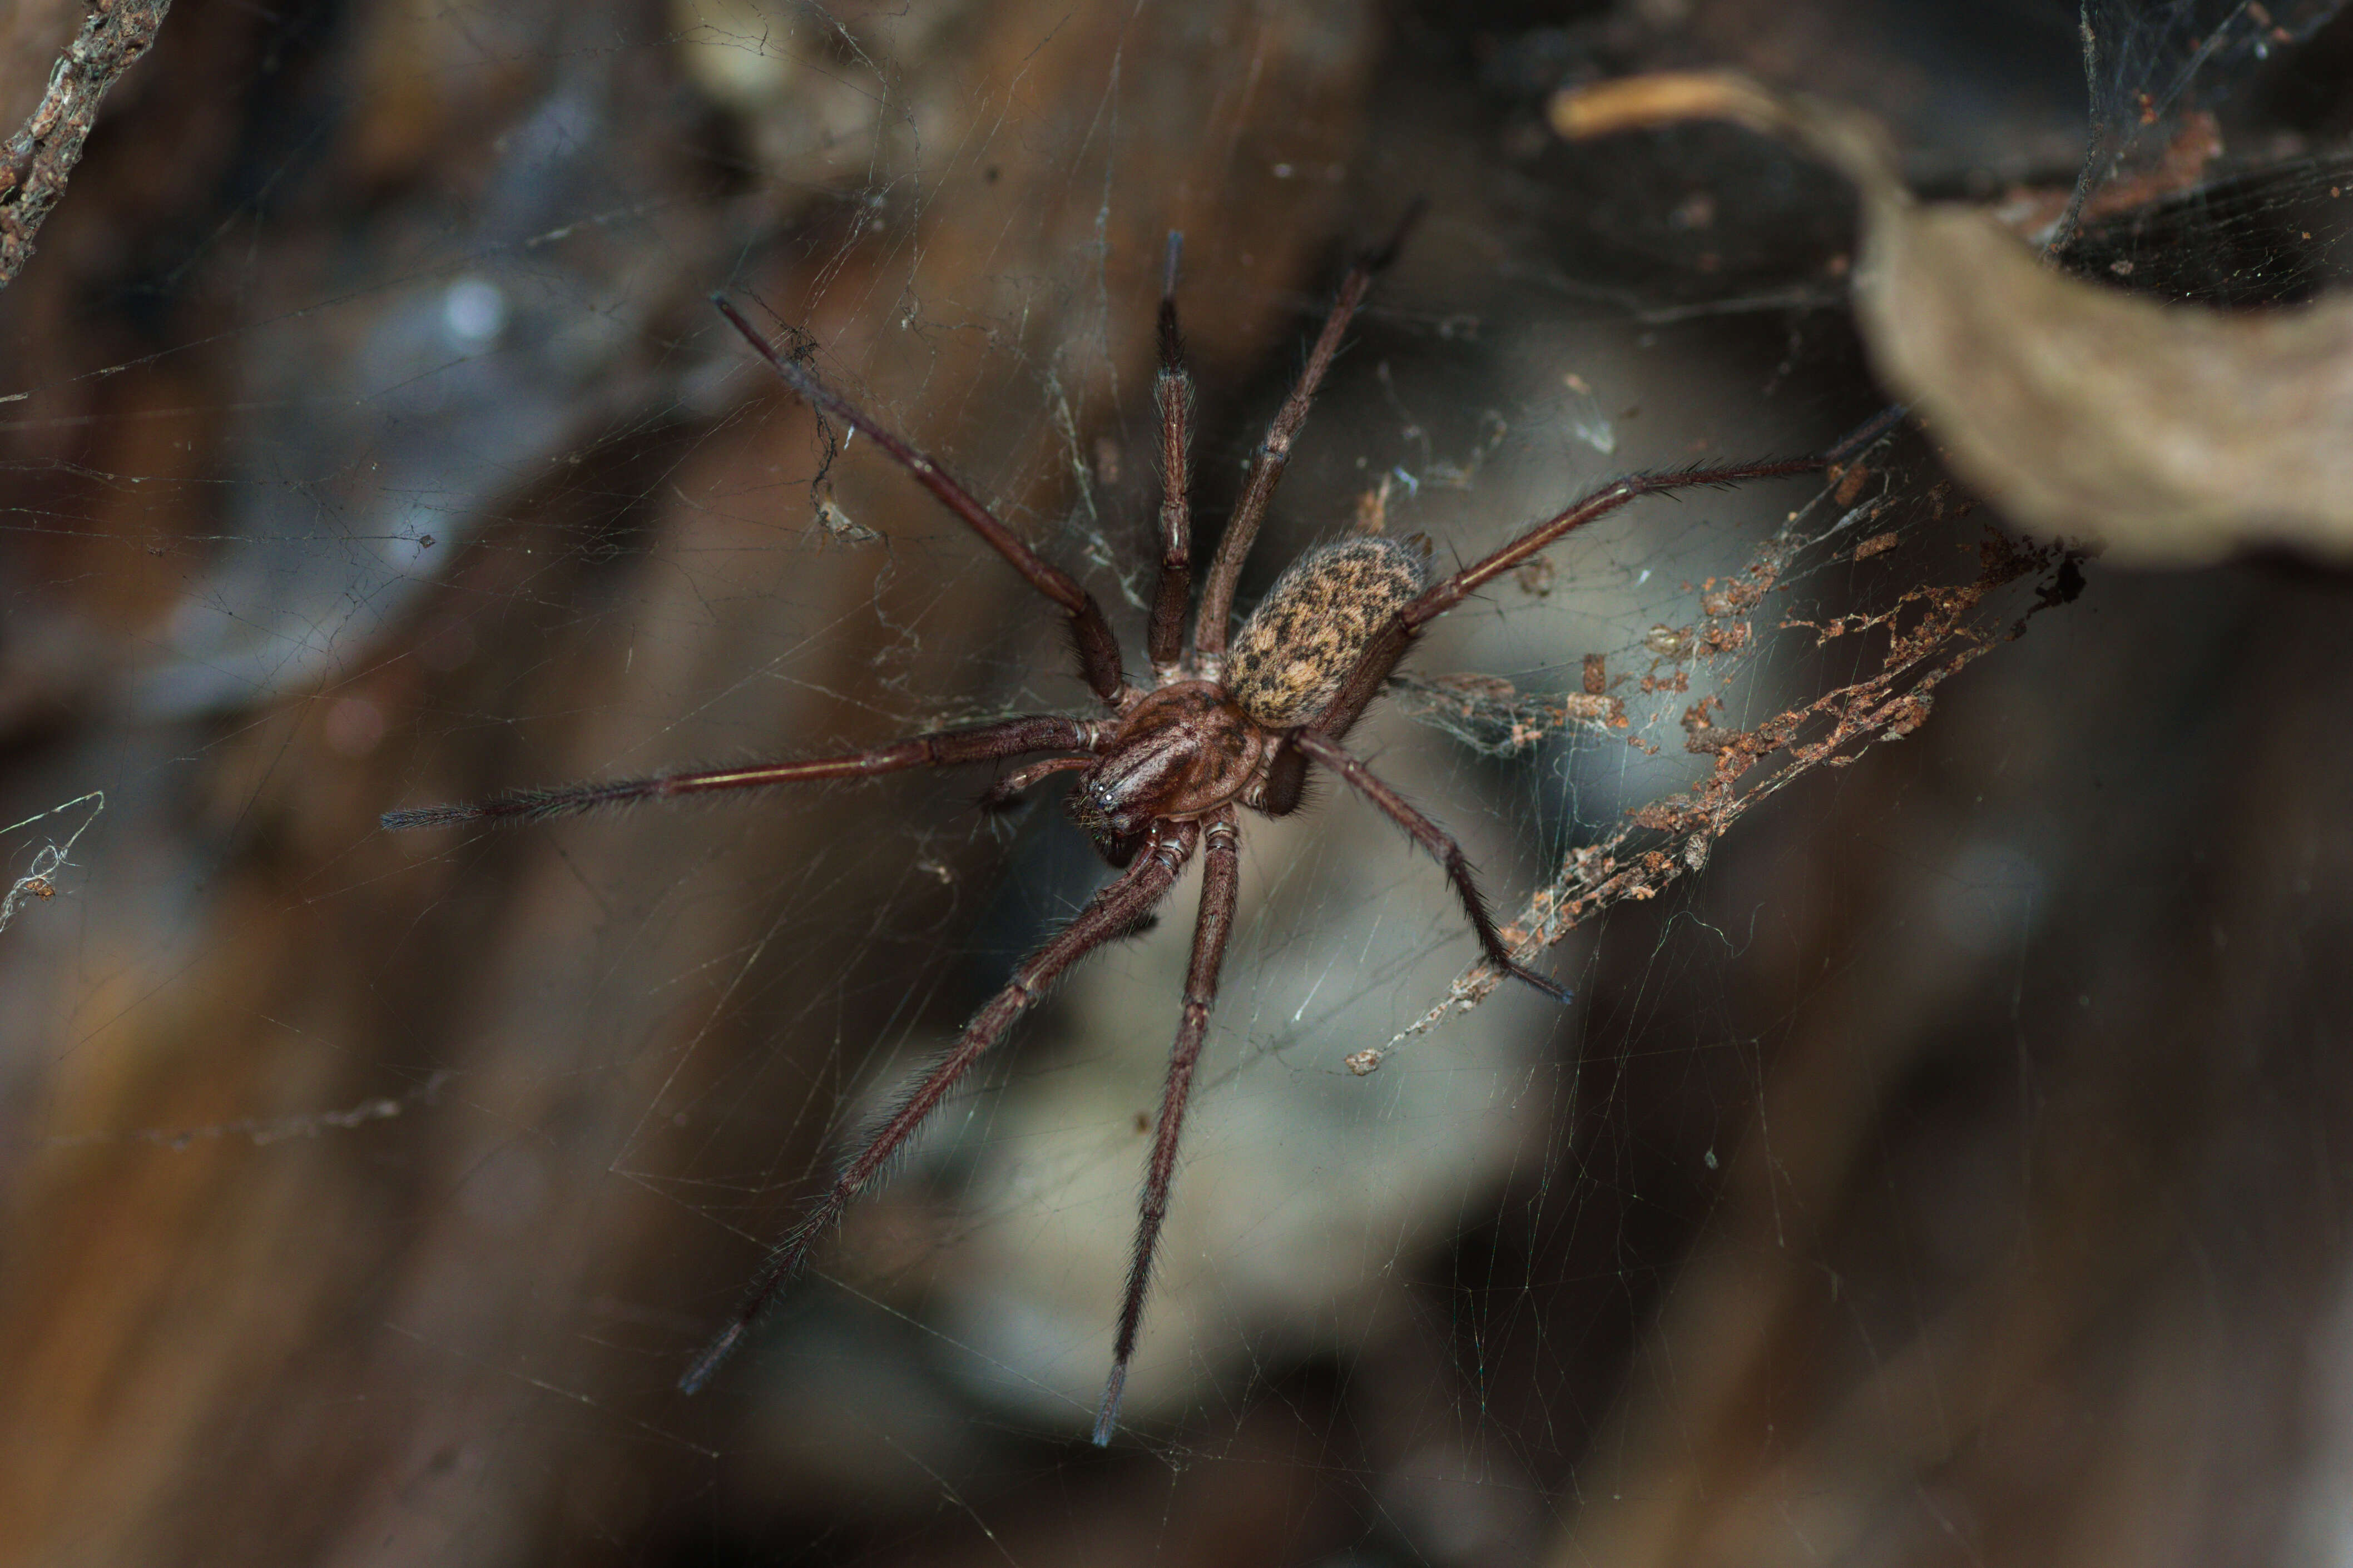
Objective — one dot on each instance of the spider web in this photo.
(372, 444)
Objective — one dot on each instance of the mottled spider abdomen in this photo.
(1304, 638)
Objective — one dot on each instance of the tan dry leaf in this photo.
(2171, 432)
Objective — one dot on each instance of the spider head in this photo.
(1183, 750)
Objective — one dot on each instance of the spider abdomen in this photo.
(1304, 638)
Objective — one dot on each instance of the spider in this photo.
(1231, 725)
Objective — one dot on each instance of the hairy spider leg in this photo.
(1447, 593)
(1286, 774)
(1851, 445)
(1440, 844)
(942, 749)
(1109, 915)
(1091, 634)
(1172, 389)
(1220, 879)
(1273, 455)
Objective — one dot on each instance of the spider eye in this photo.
(1090, 807)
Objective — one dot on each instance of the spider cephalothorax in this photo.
(1168, 771)
(1180, 752)
(1193, 745)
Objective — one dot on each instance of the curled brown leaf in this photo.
(2173, 434)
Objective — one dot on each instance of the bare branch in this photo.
(35, 161)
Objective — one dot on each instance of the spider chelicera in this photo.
(1234, 724)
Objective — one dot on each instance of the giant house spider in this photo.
(1231, 724)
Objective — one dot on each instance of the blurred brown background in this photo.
(1955, 1173)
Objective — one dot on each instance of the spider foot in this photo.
(1107, 1413)
(718, 1350)
(1379, 261)
(1560, 994)
(424, 816)
(784, 1266)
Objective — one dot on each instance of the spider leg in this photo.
(1173, 391)
(1221, 876)
(1443, 595)
(1434, 838)
(946, 748)
(1286, 773)
(1110, 914)
(1097, 650)
(1274, 452)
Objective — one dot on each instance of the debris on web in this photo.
(264, 1130)
(1898, 654)
(1488, 715)
(39, 883)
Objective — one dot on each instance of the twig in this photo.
(35, 162)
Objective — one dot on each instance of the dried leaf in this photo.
(2171, 432)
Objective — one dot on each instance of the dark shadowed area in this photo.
(1943, 1162)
